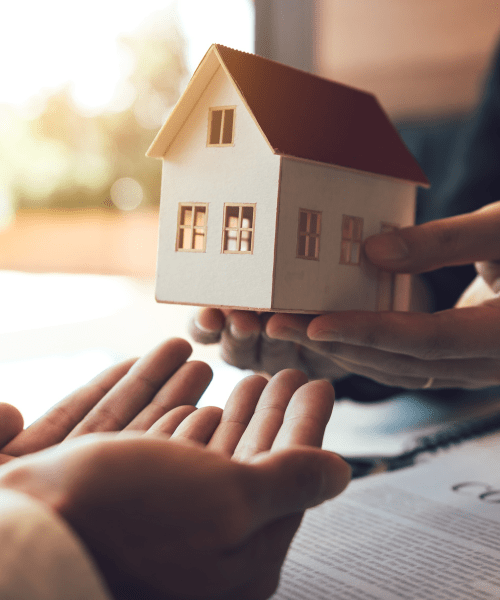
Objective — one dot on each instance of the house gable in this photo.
(231, 245)
(209, 67)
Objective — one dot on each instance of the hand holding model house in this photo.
(272, 180)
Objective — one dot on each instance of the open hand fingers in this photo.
(199, 426)
(268, 416)
(167, 424)
(237, 414)
(185, 387)
(306, 416)
(60, 420)
(136, 390)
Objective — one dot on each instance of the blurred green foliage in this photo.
(65, 159)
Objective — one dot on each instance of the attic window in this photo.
(221, 126)
(352, 236)
(238, 228)
(308, 234)
(192, 227)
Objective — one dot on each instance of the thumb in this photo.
(295, 479)
(457, 240)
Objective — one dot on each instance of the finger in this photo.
(11, 423)
(393, 364)
(134, 391)
(207, 325)
(459, 240)
(471, 332)
(185, 386)
(59, 421)
(306, 416)
(261, 432)
(313, 357)
(413, 383)
(246, 345)
(237, 414)
(290, 481)
(277, 355)
(199, 426)
(167, 424)
(240, 339)
(281, 352)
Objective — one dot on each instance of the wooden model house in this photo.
(272, 178)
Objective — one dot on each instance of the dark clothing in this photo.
(461, 158)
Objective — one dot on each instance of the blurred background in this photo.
(84, 89)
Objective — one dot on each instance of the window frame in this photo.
(308, 234)
(238, 228)
(220, 144)
(345, 241)
(192, 226)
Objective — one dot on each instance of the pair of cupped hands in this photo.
(177, 502)
(455, 348)
(172, 501)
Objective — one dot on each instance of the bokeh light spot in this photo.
(126, 193)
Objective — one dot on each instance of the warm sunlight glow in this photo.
(54, 44)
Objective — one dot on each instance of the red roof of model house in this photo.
(302, 115)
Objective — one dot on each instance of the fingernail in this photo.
(388, 247)
(287, 334)
(239, 334)
(199, 326)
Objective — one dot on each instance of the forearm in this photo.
(41, 556)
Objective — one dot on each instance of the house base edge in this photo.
(252, 308)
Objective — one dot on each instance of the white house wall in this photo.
(324, 284)
(247, 172)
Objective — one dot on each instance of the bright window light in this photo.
(55, 43)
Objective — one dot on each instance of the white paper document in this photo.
(429, 532)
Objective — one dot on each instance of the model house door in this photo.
(386, 280)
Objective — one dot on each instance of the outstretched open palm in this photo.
(192, 503)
